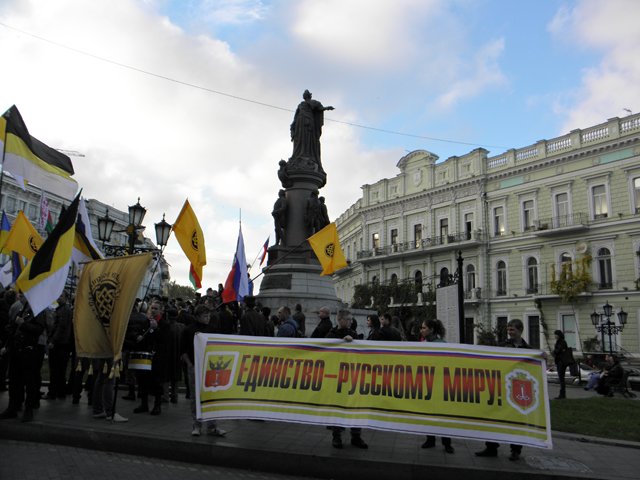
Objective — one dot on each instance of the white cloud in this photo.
(612, 85)
(482, 73)
(360, 32)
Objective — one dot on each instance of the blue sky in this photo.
(145, 90)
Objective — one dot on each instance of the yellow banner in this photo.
(104, 300)
(455, 390)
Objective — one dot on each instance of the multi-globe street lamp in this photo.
(136, 216)
(608, 327)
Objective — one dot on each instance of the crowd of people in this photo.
(158, 353)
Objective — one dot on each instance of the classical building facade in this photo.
(518, 219)
(29, 200)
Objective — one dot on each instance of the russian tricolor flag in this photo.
(237, 285)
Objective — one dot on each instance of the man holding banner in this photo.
(515, 340)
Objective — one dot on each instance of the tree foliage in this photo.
(181, 291)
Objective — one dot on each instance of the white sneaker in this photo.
(196, 431)
(117, 418)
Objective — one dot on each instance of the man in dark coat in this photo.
(24, 363)
(514, 340)
(324, 324)
(60, 348)
(253, 322)
(343, 330)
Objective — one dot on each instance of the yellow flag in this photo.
(191, 239)
(104, 300)
(327, 248)
(23, 238)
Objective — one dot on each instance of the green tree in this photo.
(181, 291)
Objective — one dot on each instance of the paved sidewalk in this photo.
(306, 450)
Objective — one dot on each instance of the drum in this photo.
(140, 360)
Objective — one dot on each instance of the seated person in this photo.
(611, 375)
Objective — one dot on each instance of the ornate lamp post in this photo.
(136, 216)
(608, 327)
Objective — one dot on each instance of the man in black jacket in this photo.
(324, 325)
(514, 340)
(343, 330)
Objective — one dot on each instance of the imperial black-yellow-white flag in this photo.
(27, 159)
(326, 246)
(104, 299)
(44, 278)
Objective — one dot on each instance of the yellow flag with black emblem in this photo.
(23, 238)
(326, 246)
(104, 300)
(191, 239)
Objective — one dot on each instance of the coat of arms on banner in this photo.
(104, 292)
(523, 391)
(220, 368)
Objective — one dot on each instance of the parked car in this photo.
(585, 370)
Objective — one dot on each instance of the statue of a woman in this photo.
(307, 128)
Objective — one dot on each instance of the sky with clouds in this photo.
(176, 99)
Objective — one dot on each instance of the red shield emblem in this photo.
(522, 392)
(219, 370)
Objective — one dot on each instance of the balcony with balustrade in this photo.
(561, 225)
(454, 241)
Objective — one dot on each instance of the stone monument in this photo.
(292, 274)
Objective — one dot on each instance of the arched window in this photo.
(604, 268)
(532, 275)
(374, 280)
(394, 279)
(501, 278)
(470, 278)
(418, 279)
(444, 276)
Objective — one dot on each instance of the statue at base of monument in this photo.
(280, 216)
(306, 130)
(324, 214)
(313, 213)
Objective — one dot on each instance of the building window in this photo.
(501, 278)
(394, 190)
(498, 221)
(418, 279)
(469, 330)
(527, 215)
(604, 269)
(566, 264)
(375, 240)
(636, 194)
(599, 197)
(562, 210)
(534, 331)
(11, 204)
(33, 213)
(374, 280)
(417, 235)
(568, 326)
(444, 229)
(532, 275)
(470, 280)
(468, 225)
(444, 277)
(394, 238)
(394, 279)
(501, 329)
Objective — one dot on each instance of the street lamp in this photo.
(136, 216)
(608, 327)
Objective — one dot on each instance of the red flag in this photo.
(264, 251)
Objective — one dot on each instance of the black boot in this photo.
(157, 410)
(144, 405)
(132, 393)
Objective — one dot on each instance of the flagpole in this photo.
(268, 267)
(254, 260)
